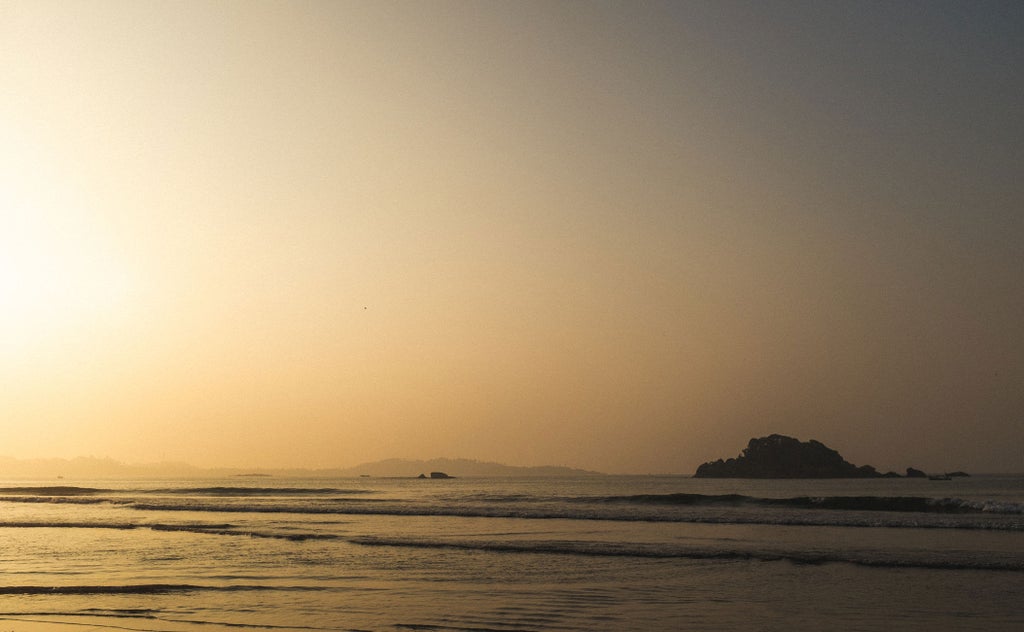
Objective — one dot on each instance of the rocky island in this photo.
(779, 456)
(435, 475)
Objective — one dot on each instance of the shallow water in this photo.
(604, 553)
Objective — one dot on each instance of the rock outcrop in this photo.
(435, 475)
(778, 456)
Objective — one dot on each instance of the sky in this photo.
(620, 236)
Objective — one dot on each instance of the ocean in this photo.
(615, 553)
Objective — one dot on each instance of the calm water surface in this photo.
(604, 553)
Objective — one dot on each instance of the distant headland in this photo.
(779, 456)
(104, 468)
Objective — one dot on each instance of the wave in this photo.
(132, 589)
(788, 514)
(201, 529)
(90, 495)
(233, 492)
(838, 511)
(801, 514)
(59, 490)
(144, 589)
(28, 524)
(101, 615)
(631, 549)
(336, 509)
(917, 504)
(61, 500)
(231, 530)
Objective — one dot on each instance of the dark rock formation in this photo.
(957, 474)
(439, 475)
(915, 473)
(778, 456)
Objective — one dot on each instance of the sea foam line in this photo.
(738, 514)
(903, 504)
(147, 589)
(59, 618)
(202, 529)
(624, 549)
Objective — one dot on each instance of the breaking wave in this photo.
(846, 511)
(920, 504)
(661, 551)
(52, 491)
(234, 492)
(201, 529)
(143, 589)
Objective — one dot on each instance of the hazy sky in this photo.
(619, 236)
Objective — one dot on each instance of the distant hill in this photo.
(95, 468)
(460, 467)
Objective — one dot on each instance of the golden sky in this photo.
(619, 236)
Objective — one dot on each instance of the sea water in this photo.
(593, 553)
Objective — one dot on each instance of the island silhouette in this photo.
(779, 456)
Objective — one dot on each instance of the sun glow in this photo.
(55, 281)
(61, 277)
